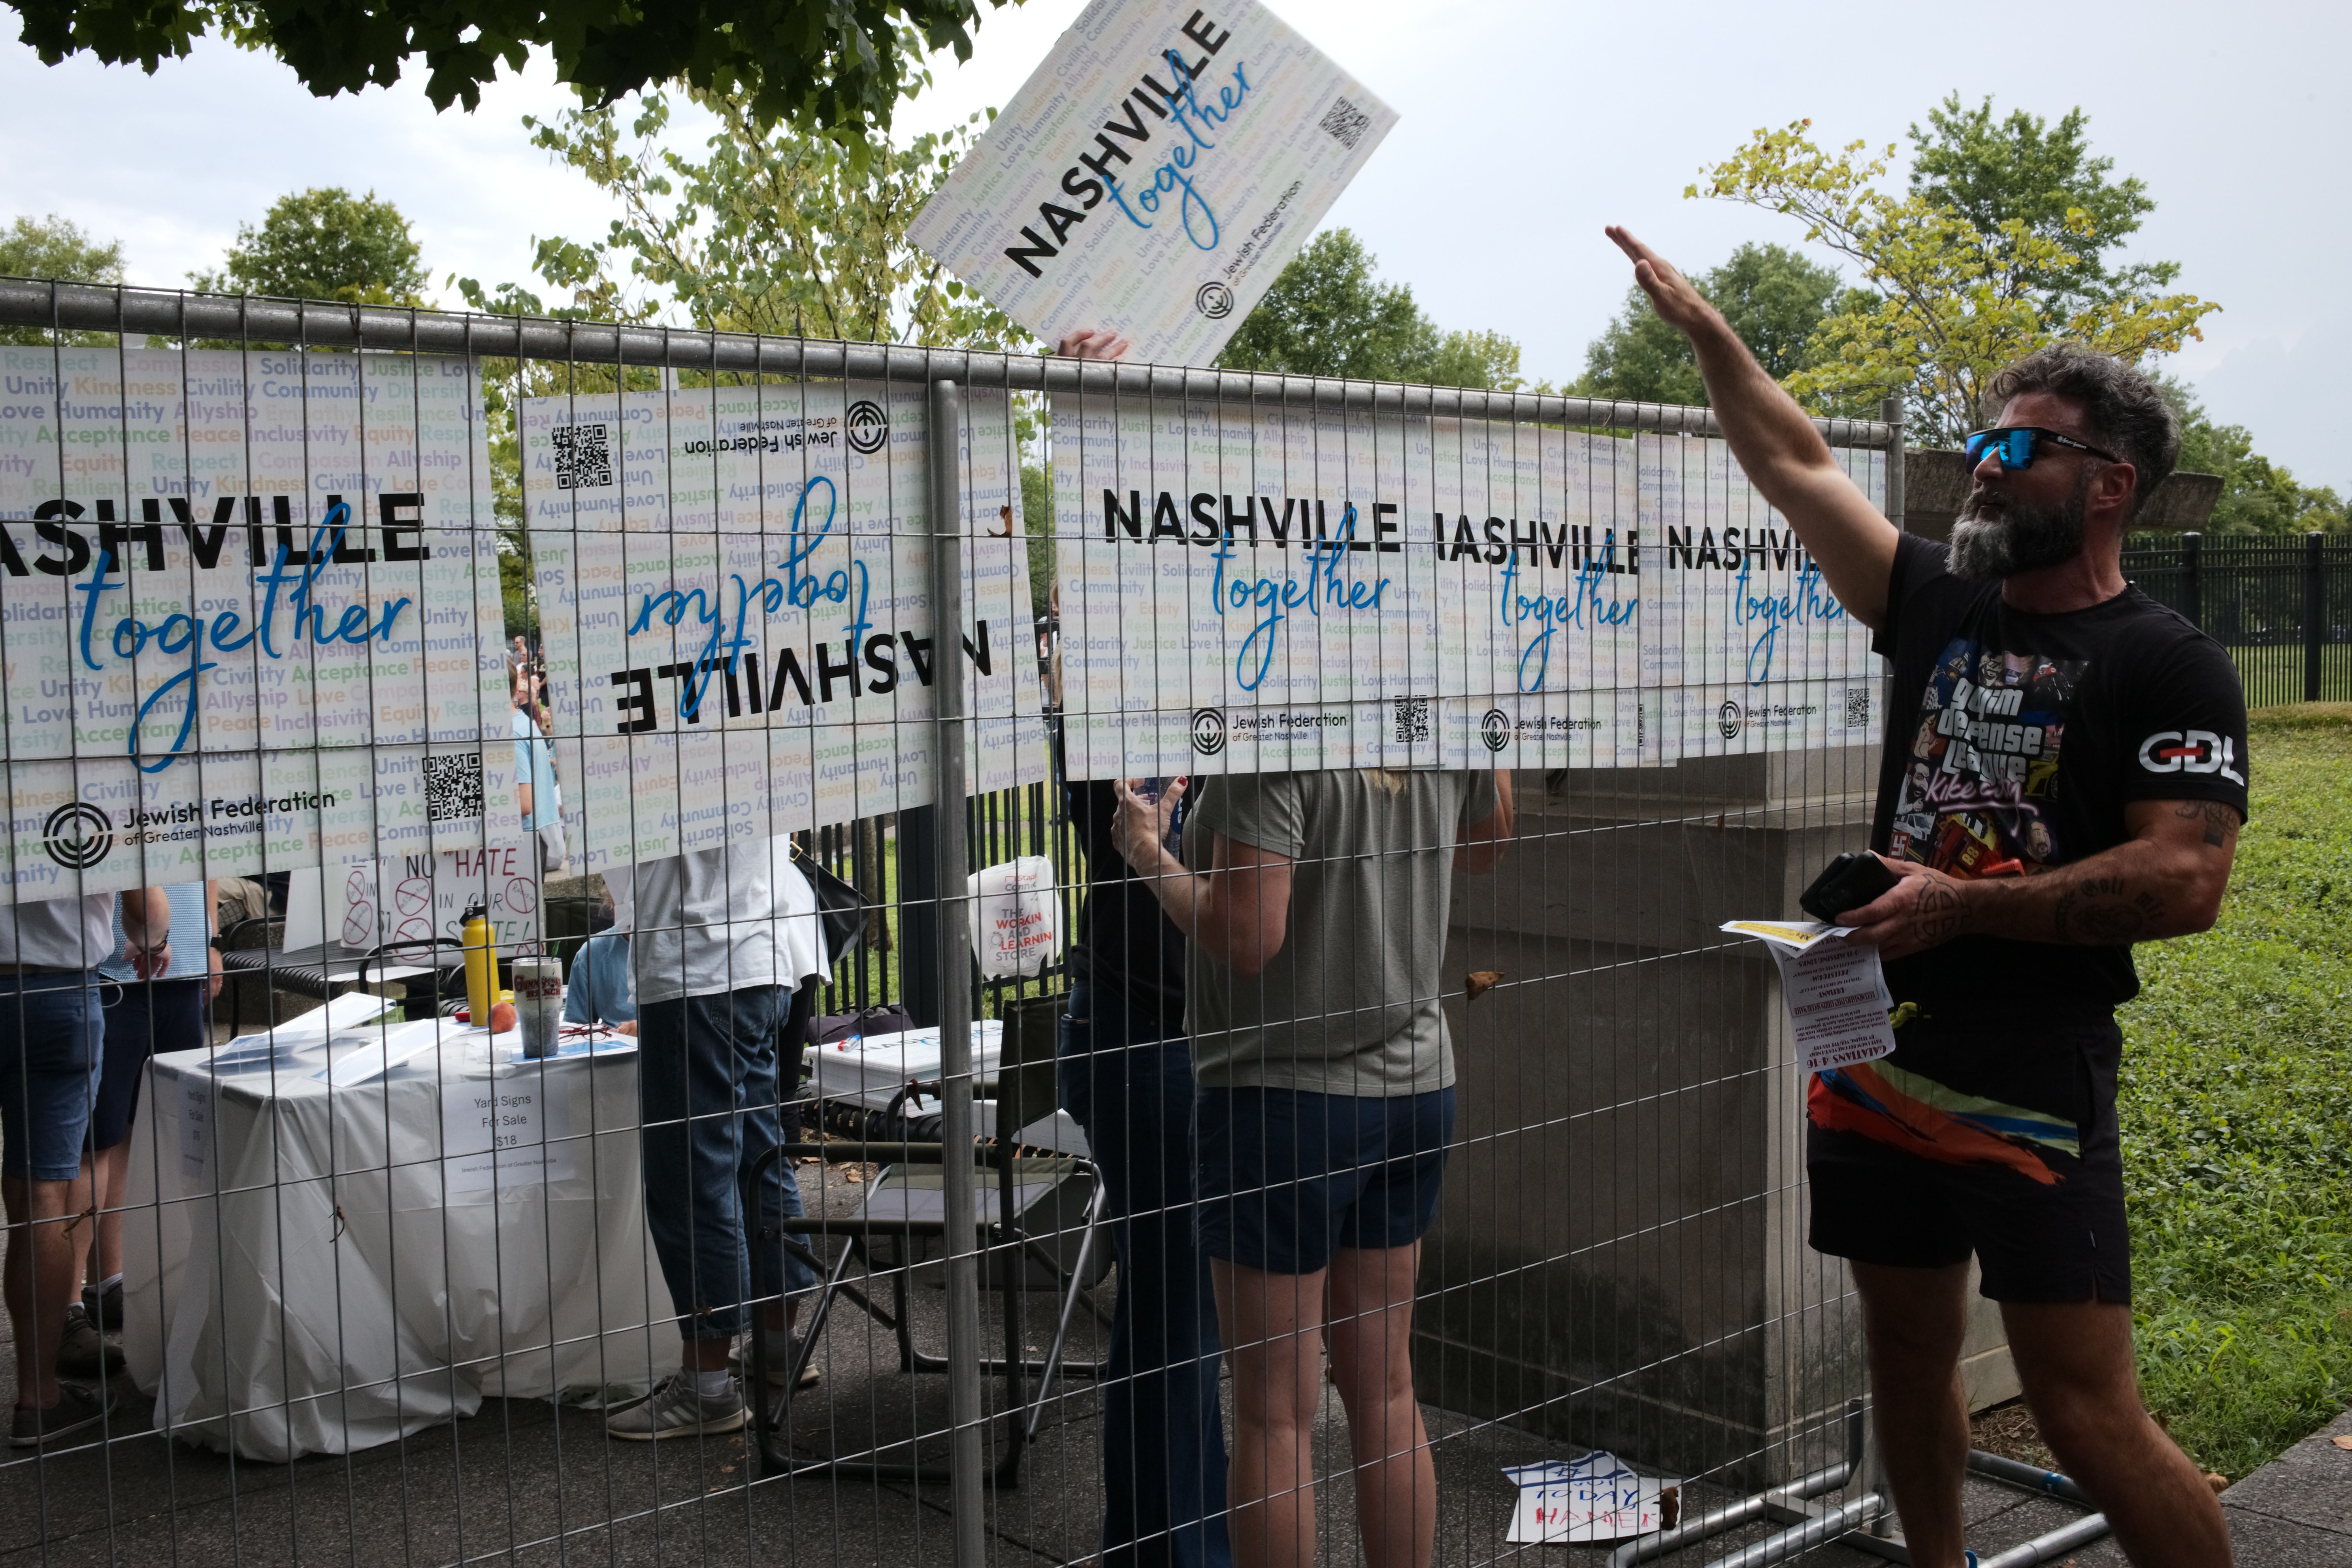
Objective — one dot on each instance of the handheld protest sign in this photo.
(1154, 174)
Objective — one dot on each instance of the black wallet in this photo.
(1846, 883)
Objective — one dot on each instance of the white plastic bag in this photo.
(1016, 925)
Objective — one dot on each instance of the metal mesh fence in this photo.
(711, 667)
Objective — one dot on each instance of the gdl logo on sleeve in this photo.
(2190, 751)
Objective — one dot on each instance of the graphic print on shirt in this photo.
(1983, 768)
(1974, 801)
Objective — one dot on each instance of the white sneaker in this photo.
(781, 1347)
(675, 1410)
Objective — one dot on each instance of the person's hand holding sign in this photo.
(1088, 343)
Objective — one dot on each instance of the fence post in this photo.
(951, 976)
(2315, 611)
(1890, 409)
(2193, 574)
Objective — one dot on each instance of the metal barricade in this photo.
(390, 1303)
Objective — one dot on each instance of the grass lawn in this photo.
(2237, 1123)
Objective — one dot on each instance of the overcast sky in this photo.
(1526, 127)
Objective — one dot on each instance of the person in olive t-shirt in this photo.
(2065, 774)
(1316, 906)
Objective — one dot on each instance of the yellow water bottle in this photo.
(481, 965)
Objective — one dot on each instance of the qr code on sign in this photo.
(581, 461)
(453, 787)
(1345, 123)
(1412, 720)
(1857, 708)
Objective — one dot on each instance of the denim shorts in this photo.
(1287, 1178)
(52, 1049)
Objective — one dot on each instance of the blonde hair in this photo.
(1388, 781)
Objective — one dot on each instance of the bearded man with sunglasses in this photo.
(2066, 774)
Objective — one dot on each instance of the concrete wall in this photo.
(1620, 1259)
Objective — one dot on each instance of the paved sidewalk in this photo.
(2296, 1510)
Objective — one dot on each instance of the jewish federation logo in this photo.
(78, 836)
(1727, 720)
(1208, 730)
(867, 425)
(1495, 729)
(1215, 300)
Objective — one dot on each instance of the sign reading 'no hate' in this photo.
(1154, 175)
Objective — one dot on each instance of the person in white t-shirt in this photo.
(715, 950)
(52, 1038)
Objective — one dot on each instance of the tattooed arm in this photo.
(2167, 880)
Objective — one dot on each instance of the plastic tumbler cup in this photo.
(539, 1004)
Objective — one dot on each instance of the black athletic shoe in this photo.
(76, 1409)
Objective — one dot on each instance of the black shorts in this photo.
(1997, 1141)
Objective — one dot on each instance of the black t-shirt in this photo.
(2014, 743)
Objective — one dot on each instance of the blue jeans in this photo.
(1163, 1440)
(52, 1050)
(707, 1088)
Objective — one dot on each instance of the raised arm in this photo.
(1237, 912)
(1775, 441)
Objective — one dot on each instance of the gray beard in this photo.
(2020, 538)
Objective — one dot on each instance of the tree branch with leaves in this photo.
(1951, 291)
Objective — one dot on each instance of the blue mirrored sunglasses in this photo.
(2014, 445)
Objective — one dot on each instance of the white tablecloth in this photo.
(310, 1271)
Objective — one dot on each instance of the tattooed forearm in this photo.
(2220, 820)
(1934, 913)
(2102, 912)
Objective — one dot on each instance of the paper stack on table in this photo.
(1835, 989)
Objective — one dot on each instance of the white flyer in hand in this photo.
(1154, 175)
(1835, 989)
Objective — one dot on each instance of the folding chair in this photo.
(904, 1212)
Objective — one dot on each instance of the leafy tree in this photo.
(1329, 314)
(55, 249)
(825, 64)
(2258, 496)
(1950, 293)
(2042, 177)
(1773, 297)
(325, 244)
(774, 230)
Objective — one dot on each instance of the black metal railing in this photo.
(2282, 607)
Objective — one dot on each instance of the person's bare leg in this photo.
(110, 1171)
(1915, 1320)
(41, 1275)
(1371, 1361)
(2074, 1361)
(1272, 1328)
